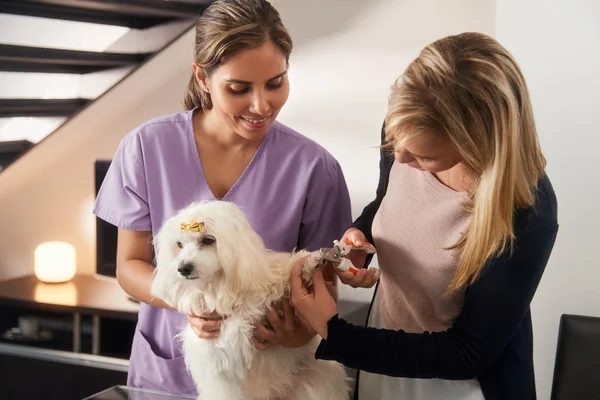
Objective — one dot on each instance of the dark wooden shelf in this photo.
(85, 294)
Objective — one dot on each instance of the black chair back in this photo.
(577, 365)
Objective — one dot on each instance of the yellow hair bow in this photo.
(192, 226)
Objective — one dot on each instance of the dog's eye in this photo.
(179, 244)
(207, 240)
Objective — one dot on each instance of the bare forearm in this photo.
(135, 277)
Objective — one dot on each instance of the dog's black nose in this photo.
(186, 269)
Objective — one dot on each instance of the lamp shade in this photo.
(55, 262)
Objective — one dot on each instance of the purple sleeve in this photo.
(327, 212)
(122, 199)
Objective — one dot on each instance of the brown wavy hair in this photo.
(226, 28)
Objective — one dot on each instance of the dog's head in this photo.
(208, 258)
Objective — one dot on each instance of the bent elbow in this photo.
(122, 275)
(468, 374)
(467, 370)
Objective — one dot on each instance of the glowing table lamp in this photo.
(55, 262)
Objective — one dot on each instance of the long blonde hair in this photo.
(226, 28)
(470, 90)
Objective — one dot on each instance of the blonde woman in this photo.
(227, 145)
(464, 223)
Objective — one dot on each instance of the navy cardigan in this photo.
(491, 339)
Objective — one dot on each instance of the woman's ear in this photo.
(200, 75)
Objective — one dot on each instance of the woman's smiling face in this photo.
(249, 90)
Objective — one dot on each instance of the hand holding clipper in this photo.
(337, 255)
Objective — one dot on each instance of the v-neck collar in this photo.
(241, 178)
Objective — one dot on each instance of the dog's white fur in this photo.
(237, 277)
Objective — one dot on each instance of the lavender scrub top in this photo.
(293, 192)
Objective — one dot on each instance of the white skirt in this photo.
(382, 387)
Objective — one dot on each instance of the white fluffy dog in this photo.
(209, 259)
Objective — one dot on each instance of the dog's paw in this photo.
(310, 266)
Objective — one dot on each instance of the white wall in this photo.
(347, 55)
(557, 44)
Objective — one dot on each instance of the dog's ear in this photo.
(163, 244)
(243, 257)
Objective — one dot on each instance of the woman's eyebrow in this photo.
(250, 83)
(418, 156)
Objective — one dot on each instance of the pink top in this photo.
(416, 267)
(418, 219)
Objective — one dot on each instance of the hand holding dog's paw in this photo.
(309, 266)
(206, 326)
(287, 330)
(316, 306)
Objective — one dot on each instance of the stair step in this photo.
(40, 107)
(137, 14)
(41, 59)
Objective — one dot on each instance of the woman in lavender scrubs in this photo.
(226, 146)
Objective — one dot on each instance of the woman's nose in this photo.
(260, 103)
(403, 156)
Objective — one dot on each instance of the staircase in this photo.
(58, 56)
